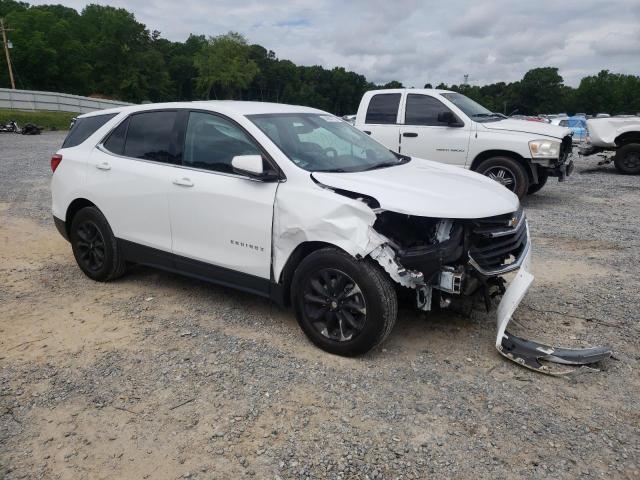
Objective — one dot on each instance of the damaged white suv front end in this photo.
(448, 234)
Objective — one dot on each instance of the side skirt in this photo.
(152, 257)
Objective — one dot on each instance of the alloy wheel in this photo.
(91, 246)
(503, 176)
(334, 304)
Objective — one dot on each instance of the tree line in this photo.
(104, 51)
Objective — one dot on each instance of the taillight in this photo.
(55, 161)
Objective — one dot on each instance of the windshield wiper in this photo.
(385, 165)
(332, 170)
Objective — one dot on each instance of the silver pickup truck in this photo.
(619, 136)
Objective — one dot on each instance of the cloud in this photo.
(414, 41)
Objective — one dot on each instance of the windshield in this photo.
(324, 143)
(471, 108)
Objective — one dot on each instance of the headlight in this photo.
(544, 149)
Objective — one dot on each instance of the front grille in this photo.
(566, 147)
(498, 244)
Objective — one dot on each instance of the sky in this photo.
(416, 42)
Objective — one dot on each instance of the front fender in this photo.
(317, 214)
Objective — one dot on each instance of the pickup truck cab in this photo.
(450, 128)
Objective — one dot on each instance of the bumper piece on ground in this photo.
(528, 354)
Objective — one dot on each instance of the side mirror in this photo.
(449, 118)
(253, 167)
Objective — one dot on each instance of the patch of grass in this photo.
(46, 120)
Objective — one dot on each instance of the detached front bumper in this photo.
(529, 353)
(561, 169)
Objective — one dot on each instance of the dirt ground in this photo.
(156, 376)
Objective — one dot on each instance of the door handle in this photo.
(367, 132)
(409, 134)
(103, 166)
(183, 182)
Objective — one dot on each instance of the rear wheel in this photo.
(627, 159)
(94, 246)
(344, 306)
(542, 181)
(507, 172)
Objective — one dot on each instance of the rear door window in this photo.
(84, 128)
(151, 136)
(383, 108)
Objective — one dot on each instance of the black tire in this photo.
(627, 159)
(94, 246)
(515, 176)
(536, 187)
(344, 306)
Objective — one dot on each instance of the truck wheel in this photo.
(506, 171)
(344, 306)
(627, 159)
(536, 187)
(95, 247)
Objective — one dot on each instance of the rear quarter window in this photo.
(84, 128)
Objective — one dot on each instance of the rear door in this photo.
(422, 135)
(381, 120)
(129, 176)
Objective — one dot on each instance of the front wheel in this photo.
(627, 159)
(507, 172)
(344, 306)
(542, 181)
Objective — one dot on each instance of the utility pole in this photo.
(6, 51)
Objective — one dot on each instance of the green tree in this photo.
(224, 63)
(392, 84)
(540, 91)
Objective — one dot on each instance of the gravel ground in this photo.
(158, 376)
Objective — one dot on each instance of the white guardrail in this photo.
(58, 102)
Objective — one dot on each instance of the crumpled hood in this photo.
(526, 126)
(427, 189)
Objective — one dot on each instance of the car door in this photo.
(423, 135)
(381, 120)
(128, 177)
(217, 216)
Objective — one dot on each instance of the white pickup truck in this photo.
(448, 127)
(617, 135)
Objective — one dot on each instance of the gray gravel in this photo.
(206, 382)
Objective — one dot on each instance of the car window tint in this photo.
(424, 110)
(115, 142)
(564, 123)
(383, 108)
(211, 142)
(84, 128)
(149, 136)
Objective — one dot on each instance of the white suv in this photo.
(289, 203)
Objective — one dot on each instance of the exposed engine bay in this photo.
(445, 260)
(437, 254)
